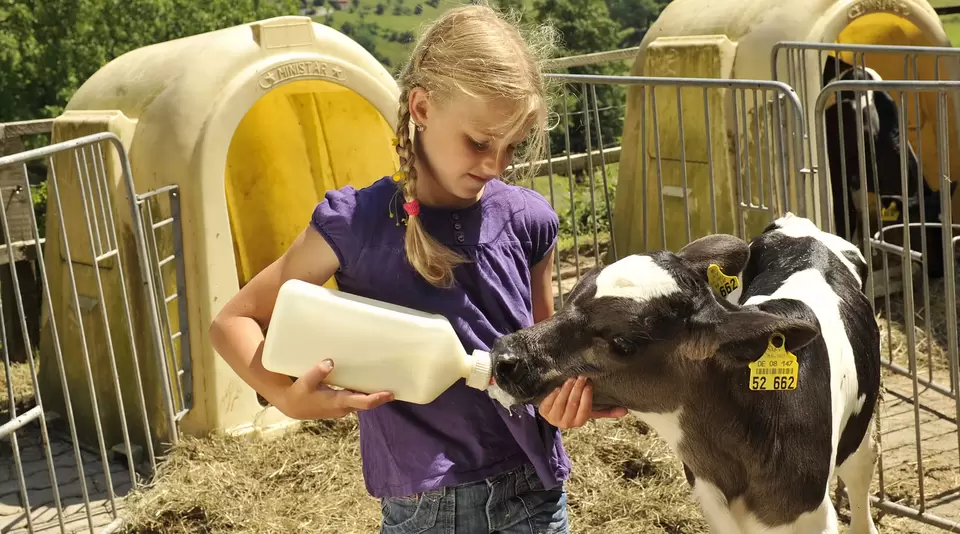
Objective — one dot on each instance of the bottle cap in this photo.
(479, 377)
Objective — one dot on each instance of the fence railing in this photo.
(88, 386)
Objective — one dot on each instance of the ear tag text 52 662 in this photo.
(721, 283)
(776, 370)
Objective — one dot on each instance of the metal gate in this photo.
(912, 244)
(78, 435)
(704, 155)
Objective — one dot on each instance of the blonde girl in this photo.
(443, 235)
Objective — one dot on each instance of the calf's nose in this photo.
(508, 367)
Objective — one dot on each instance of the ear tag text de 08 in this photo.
(776, 370)
(721, 283)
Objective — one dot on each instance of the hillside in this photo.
(388, 27)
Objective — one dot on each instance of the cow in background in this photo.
(881, 143)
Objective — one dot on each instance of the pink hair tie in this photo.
(412, 208)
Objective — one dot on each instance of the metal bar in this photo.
(570, 181)
(89, 211)
(593, 192)
(20, 421)
(683, 166)
(603, 173)
(128, 316)
(186, 363)
(147, 280)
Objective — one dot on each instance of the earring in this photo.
(419, 127)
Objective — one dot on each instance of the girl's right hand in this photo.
(310, 398)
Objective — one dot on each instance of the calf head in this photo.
(881, 140)
(642, 329)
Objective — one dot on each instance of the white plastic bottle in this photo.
(375, 346)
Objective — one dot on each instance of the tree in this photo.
(380, 8)
(635, 16)
(418, 9)
(586, 26)
(49, 48)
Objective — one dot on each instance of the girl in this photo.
(442, 235)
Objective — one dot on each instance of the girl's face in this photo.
(465, 144)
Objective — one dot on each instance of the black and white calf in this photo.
(880, 131)
(653, 337)
(882, 153)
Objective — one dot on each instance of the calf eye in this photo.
(622, 346)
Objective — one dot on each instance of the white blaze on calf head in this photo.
(635, 277)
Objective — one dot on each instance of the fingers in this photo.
(358, 401)
(569, 405)
(546, 405)
(609, 413)
(313, 378)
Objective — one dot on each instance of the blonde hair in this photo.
(474, 51)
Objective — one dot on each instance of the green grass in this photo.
(951, 25)
(395, 52)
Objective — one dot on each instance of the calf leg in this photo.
(856, 472)
(715, 508)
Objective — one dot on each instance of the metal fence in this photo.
(81, 423)
(707, 155)
(919, 434)
(919, 470)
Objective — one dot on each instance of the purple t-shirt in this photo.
(463, 436)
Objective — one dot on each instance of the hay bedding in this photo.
(624, 480)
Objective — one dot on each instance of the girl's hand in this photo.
(310, 398)
(571, 405)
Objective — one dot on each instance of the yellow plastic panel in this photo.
(296, 143)
(891, 30)
(708, 56)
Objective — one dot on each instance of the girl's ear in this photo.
(419, 103)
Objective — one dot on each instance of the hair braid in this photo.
(431, 259)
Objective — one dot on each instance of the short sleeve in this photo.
(335, 217)
(543, 226)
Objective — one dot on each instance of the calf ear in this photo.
(729, 252)
(832, 68)
(743, 335)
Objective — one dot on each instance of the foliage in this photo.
(49, 47)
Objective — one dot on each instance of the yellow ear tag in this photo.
(776, 370)
(890, 213)
(721, 283)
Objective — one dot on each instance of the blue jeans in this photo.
(512, 503)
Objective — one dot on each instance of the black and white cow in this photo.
(880, 131)
(882, 153)
(653, 337)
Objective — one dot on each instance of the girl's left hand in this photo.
(571, 405)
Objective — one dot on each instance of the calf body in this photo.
(652, 336)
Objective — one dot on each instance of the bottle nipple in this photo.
(479, 377)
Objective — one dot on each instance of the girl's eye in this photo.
(479, 146)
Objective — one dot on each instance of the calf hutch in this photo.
(740, 148)
(237, 134)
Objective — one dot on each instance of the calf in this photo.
(882, 154)
(880, 131)
(652, 336)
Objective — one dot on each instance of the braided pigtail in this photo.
(431, 259)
